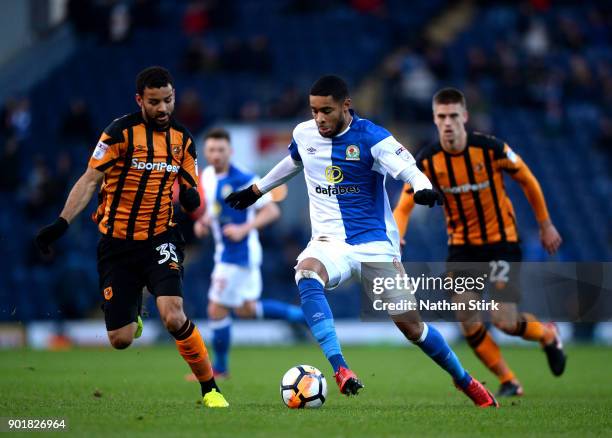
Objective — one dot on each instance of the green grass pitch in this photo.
(141, 392)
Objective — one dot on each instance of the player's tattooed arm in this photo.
(81, 193)
(79, 197)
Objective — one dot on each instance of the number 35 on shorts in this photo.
(167, 251)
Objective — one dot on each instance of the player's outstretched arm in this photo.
(79, 197)
(81, 193)
(286, 169)
(401, 165)
(424, 193)
(242, 199)
(428, 197)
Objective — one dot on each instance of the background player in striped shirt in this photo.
(136, 161)
(236, 278)
(467, 167)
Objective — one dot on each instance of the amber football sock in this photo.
(191, 346)
(487, 350)
(531, 329)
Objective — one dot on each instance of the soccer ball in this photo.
(303, 386)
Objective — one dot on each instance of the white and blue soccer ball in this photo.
(303, 386)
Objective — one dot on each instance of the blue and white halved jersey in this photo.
(345, 177)
(247, 252)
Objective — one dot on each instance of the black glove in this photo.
(189, 198)
(428, 197)
(242, 199)
(50, 234)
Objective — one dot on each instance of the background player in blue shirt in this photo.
(236, 278)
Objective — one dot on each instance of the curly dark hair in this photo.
(153, 77)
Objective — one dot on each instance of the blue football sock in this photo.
(433, 345)
(221, 333)
(274, 309)
(320, 320)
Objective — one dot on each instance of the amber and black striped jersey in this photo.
(140, 165)
(477, 208)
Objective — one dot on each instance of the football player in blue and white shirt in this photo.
(345, 160)
(236, 278)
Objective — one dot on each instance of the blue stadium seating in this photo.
(574, 176)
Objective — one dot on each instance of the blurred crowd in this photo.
(529, 55)
(112, 21)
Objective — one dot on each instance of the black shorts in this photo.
(499, 262)
(125, 267)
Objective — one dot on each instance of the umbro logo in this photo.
(311, 150)
(317, 316)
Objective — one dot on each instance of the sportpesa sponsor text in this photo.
(162, 166)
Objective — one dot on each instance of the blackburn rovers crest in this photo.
(352, 152)
(226, 190)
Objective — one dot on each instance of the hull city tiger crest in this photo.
(352, 152)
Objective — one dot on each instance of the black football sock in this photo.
(208, 386)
